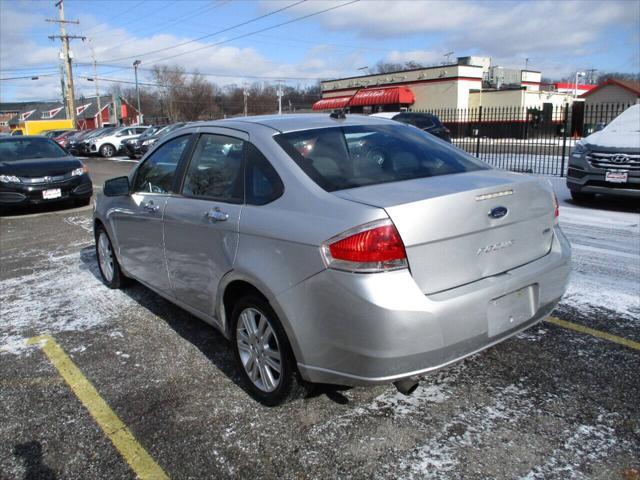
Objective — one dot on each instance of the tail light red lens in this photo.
(557, 207)
(373, 247)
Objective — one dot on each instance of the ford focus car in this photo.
(322, 262)
(36, 170)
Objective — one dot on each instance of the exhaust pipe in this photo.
(406, 386)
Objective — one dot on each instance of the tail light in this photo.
(557, 208)
(369, 248)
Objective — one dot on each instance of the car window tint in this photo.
(16, 149)
(423, 122)
(156, 174)
(215, 170)
(263, 184)
(348, 157)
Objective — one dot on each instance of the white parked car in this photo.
(109, 145)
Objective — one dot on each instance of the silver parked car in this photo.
(350, 251)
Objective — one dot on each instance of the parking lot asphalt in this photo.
(549, 403)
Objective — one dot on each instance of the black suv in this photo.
(424, 121)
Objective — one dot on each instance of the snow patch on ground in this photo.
(588, 444)
(63, 294)
(437, 457)
(605, 261)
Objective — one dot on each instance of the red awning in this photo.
(331, 103)
(369, 96)
(383, 96)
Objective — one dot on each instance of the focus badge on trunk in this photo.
(498, 212)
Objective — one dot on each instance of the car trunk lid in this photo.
(452, 227)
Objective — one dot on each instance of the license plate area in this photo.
(616, 177)
(510, 310)
(51, 193)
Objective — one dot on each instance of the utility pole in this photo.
(135, 68)
(245, 94)
(95, 79)
(63, 88)
(66, 57)
(279, 93)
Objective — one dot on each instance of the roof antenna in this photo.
(341, 114)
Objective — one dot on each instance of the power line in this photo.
(116, 16)
(297, 19)
(255, 19)
(163, 26)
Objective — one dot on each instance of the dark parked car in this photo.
(73, 142)
(132, 145)
(55, 133)
(36, 170)
(63, 138)
(148, 143)
(424, 121)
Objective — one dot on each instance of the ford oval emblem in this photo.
(498, 212)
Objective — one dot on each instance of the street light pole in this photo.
(135, 68)
(575, 91)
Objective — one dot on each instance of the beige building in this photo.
(458, 86)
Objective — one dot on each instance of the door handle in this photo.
(215, 215)
(150, 207)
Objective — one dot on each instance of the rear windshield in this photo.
(15, 149)
(348, 157)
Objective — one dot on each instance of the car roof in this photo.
(296, 121)
(23, 137)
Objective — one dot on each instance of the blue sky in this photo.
(559, 37)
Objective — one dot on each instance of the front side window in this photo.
(156, 174)
(215, 170)
(338, 158)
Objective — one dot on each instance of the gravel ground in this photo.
(549, 403)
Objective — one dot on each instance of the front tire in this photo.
(581, 197)
(110, 271)
(263, 353)
(107, 150)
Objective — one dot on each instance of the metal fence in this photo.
(531, 140)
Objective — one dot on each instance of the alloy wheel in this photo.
(259, 350)
(105, 256)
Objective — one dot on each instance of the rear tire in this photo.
(110, 271)
(107, 150)
(263, 353)
(580, 197)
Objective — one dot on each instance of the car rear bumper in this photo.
(77, 188)
(359, 329)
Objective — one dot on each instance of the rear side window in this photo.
(339, 158)
(263, 184)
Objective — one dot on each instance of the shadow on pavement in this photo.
(200, 334)
(613, 204)
(31, 455)
(18, 211)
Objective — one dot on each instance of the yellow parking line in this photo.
(135, 455)
(596, 333)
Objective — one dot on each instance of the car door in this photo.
(138, 221)
(201, 223)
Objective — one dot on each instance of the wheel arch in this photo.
(235, 285)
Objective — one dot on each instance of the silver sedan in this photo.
(350, 251)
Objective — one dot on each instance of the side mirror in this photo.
(599, 126)
(115, 187)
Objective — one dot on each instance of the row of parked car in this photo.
(133, 141)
